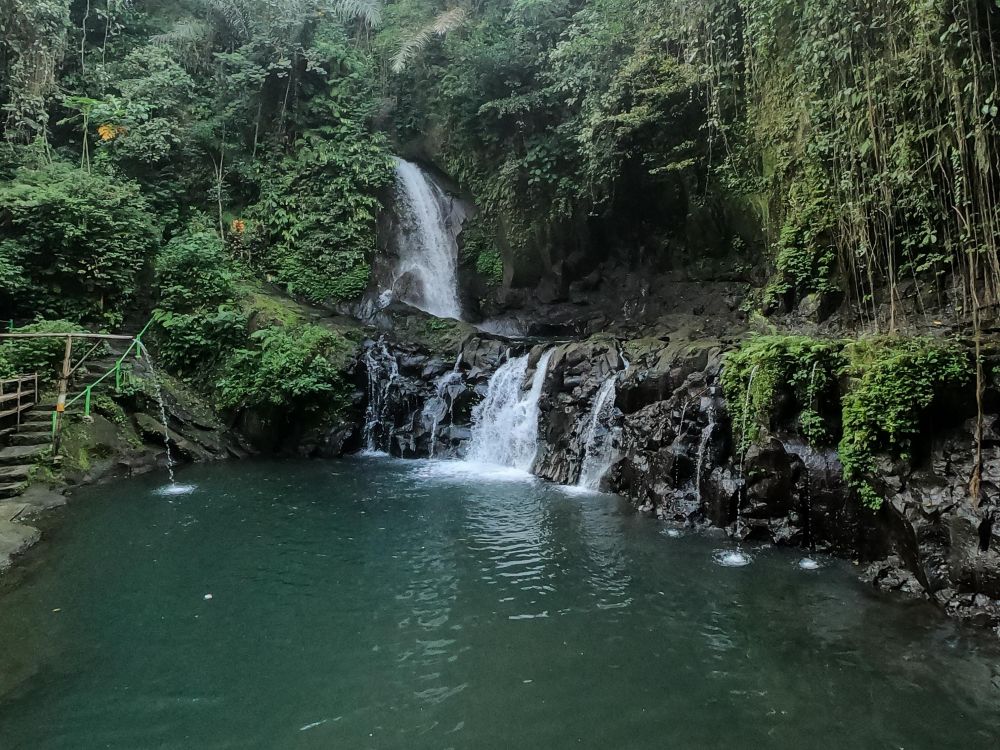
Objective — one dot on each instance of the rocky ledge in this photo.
(672, 454)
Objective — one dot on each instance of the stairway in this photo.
(31, 441)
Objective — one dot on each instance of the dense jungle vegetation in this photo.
(166, 157)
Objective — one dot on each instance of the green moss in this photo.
(479, 249)
(267, 310)
(754, 375)
(893, 382)
(881, 387)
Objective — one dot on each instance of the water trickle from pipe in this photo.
(163, 409)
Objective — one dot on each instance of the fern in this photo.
(367, 11)
(191, 39)
(411, 46)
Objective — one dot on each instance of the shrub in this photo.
(41, 355)
(74, 242)
(296, 368)
(193, 271)
(196, 342)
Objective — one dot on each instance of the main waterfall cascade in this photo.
(414, 415)
(405, 413)
(426, 274)
(505, 422)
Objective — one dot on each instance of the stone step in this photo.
(15, 473)
(36, 425)
(12, 489)
(31, 438)
(19, 454)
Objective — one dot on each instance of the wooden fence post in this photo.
(63, 386)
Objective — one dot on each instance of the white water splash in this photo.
(172, 490)
(427, 274)
(505, 422)
(730, 558)
(807, 563)
(598, 448)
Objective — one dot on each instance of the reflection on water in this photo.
(374, 603)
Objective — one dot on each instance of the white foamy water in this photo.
(731, 558)
(427, 274)
(463, 471)
(807, 563)
(505, 422)
(171, 490)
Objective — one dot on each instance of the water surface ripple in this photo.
(372, 603)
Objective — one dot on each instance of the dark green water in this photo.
(381, 604)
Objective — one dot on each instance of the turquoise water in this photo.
(372, 603)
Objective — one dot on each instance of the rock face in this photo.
(15, 538)
(666, 443)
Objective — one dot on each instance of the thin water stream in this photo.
(381, 604)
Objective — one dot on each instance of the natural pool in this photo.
(372, 603)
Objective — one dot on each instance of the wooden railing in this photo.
(119, 373)
(17, 395)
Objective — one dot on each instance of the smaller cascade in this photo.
(383, 372)
(446, 389)
(598, 445)
(807, 507)
(505, 422)
(706, 436)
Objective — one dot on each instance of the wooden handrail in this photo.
(80, 335)
(23, 398)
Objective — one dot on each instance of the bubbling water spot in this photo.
(732, 558)
(173, 490)
(808, 563)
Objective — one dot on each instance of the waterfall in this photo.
(446, 388)
(383, 372)
(427, 274)
(505, 422)
(598, 446)
(706, 436)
